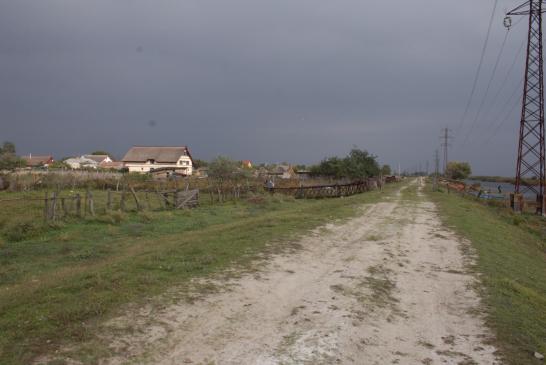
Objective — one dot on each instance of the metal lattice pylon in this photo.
(530, 163)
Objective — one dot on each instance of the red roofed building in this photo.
(38, 161)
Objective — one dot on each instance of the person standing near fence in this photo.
(269, 185)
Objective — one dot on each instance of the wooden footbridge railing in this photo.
(327, 191)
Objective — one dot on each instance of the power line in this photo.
(484, 99)
(508, 106)
(477, 76)
(506, 78)
(507, 116)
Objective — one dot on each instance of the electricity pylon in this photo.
(445, 137)
(530, 163)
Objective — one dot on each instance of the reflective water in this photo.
(493, 188)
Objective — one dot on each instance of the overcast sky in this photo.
(269, 81)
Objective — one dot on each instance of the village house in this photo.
(283, 172)
(93, 162)
(99, 159)
(143, 159)
(112, 165)
(81, 163)
(38, 161)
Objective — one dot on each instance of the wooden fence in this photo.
(60, 205)
(328, 191)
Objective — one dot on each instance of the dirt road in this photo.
(387, 287)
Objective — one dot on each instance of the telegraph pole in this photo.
(530, 163)
(436, 171)
(445, 137)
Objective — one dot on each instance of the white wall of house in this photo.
(182, 165)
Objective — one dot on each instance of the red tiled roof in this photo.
(37, 160)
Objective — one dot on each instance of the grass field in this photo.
(56, 285)
(511, 258)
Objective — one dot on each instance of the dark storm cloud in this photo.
(282, 80)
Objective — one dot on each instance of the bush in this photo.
(115, 217)
(458, 170)
(517, 220)
(19, 231)
(135, 229)
(145, 217)
(255, 198)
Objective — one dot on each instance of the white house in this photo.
(81, 163)
(148, 159)
(88, 161)
(99, 159)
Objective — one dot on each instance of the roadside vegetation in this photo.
(511, 261)
(56, 285)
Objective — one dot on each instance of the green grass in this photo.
(56, 287)
(511, 257)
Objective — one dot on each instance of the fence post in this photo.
(161, 200)
(46, 206)
(79, 205)
(175, 198)
(53, 206)
(147, 198)
(122, 200)
(137, 202)
(63, 207)
(109, 200)
(86, 203)
(91, 204)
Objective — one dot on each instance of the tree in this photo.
(59, 165)
(223, 168)
(359, 164)
(458, 170)
(8, 147)
(386, 170)
(332, 166)
(200, 163)
(8, 159)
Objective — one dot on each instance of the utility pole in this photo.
(445, 137)
(436, 171)
(530, 163)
